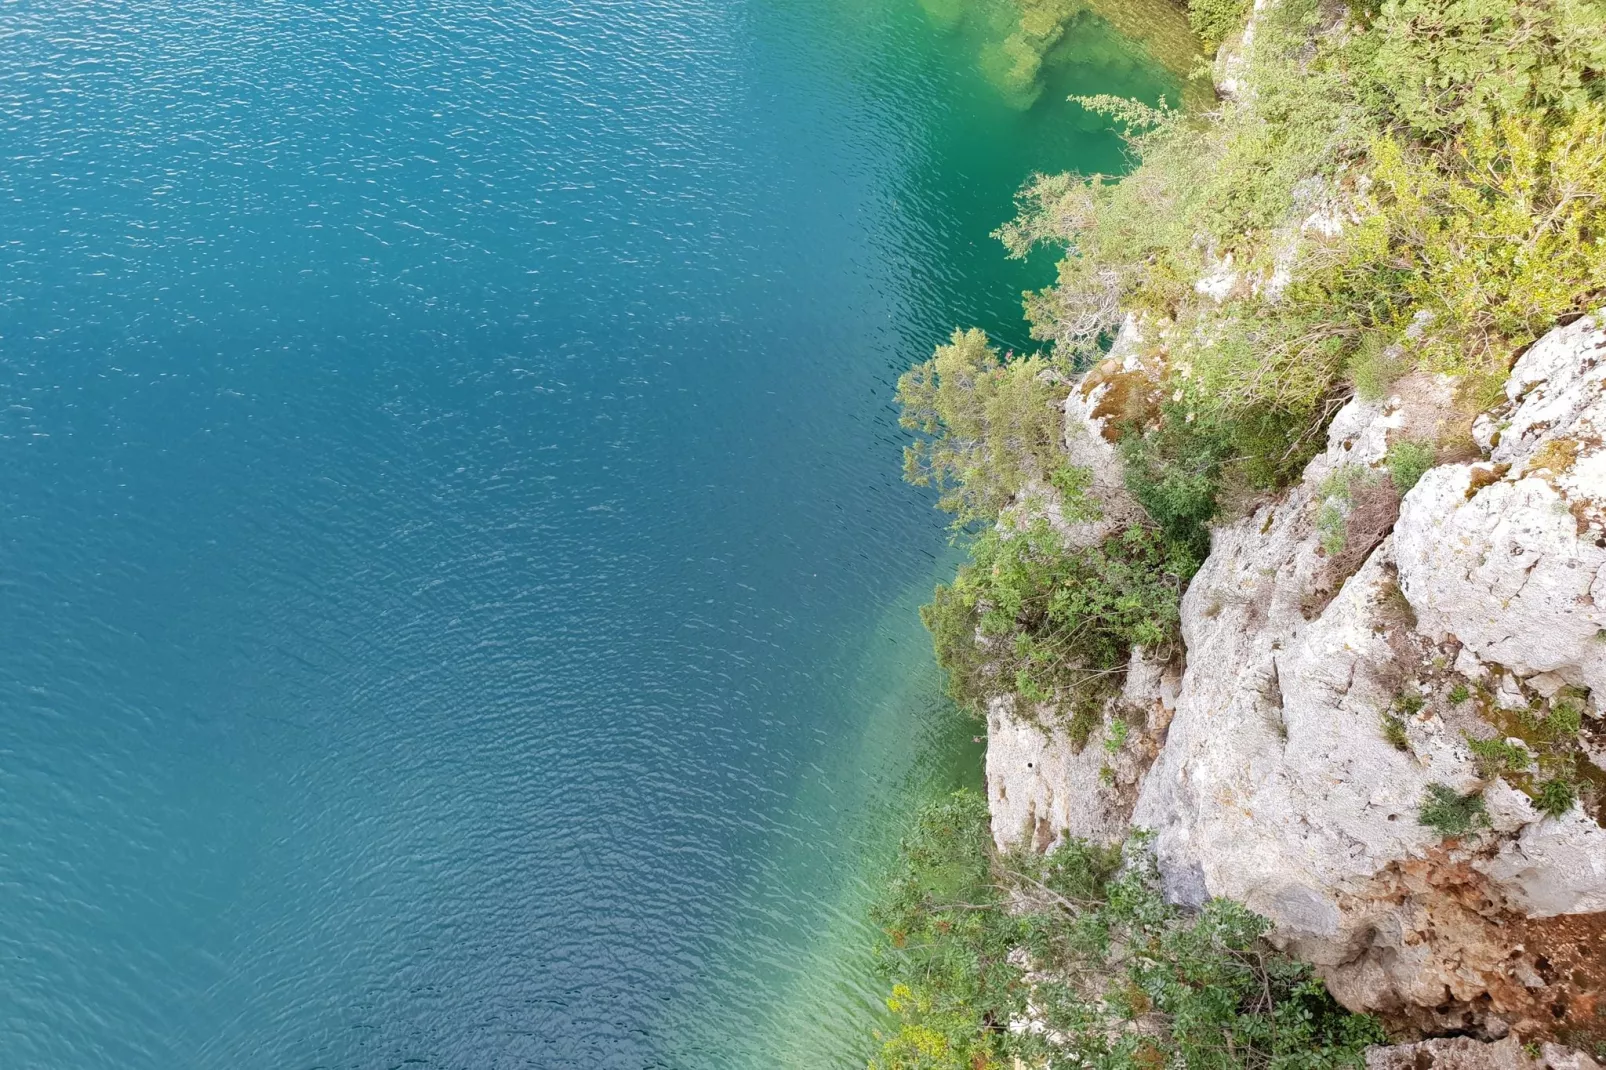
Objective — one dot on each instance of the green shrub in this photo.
(1030, 615)
(1215, 20)
(1556, 796)
(1450, 813)
(1564, 721)
(1111, 952)
(1410, 703)
(1468, 135)
(945, 942)
(1394, 732)
(950, 617)
(1408, 462)
(1375, 366)
(1440, 67)
(1174, 471)
(1493, 236)
(1116, 737)
(1497, 757)
(1331, 525)
(1459, 693)
(985, 427)
(1548, 763)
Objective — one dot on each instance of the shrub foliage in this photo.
(1030, 615)
(1081, 944)
(984, 427)
(1421, 178)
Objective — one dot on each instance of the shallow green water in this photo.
(460, 598)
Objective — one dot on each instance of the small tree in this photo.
(987, 427)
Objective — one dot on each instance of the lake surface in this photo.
(459, 601)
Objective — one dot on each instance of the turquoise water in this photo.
(458, 592)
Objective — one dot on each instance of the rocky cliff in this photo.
(1351, 656)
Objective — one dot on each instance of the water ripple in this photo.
(459, 595)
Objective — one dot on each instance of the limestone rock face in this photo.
(1232, 63)
(1509, 557)
(1464, 1053)
(1276, 786)
(1043, 786)
(1327, 688)
(1124, 385)
(1292, 776)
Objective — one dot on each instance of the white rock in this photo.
(1510, 558)
(1468, 665)
(1275, 786)
(1089, 445)
(1556, 866)
(1041, 789)
(1464, 1053)
(1218, 282)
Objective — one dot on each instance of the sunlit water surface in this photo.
(459, 602)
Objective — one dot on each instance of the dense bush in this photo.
(1408, 461)
(1439, 67)
(1053, 623)
(1215, 20)
(1118, 978)
(1029, 614)
(986, 428)
(1454, 152)
(1490, 238)
(1174, 471)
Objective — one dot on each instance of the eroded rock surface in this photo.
(1044, 786)
(1292, 777)
(1509, 556)
(1327, 688)
(1464, 1053)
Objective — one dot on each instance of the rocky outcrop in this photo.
(1319, 707)
(1231, 66)
(1044, 785)
(1509, 556)
(1464, 1053)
